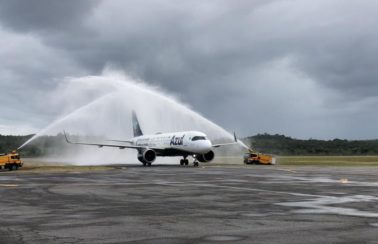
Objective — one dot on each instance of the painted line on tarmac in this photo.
(8, 185)
(287, 170)
(237, 188)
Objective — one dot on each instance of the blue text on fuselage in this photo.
(177, 140)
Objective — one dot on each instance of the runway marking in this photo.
(287, 170)
(8, 185)
(344, 180)
(236, 188)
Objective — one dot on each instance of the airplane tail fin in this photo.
(136, 127)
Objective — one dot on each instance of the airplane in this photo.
(176, 144)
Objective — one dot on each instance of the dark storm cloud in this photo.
(47, 15)
(295, 61)
(197, 42)
(337, 50)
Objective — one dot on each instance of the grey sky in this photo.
(302, 68)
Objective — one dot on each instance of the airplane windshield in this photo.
(197, 138)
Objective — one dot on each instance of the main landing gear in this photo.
(186, 162)
(146, 164)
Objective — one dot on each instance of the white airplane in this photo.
(183, 144)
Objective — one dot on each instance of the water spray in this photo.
(103, 108)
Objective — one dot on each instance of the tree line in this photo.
(272, 144)
(283, 145)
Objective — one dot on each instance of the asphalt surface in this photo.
(172, 204)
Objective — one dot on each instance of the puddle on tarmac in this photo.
(326, 205)
(223, 238)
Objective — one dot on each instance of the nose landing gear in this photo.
(195, 162)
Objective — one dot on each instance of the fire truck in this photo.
(253, 157)
(10, 161)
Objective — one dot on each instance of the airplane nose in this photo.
(204, 146)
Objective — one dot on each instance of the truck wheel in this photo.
(12, 167)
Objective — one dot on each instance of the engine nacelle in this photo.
(147, 156)
(207, 157)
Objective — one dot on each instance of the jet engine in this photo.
(147, 156)
(207, 157)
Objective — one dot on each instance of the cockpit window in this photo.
(197, 138)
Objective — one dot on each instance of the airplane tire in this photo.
(149, 164)
(186, 162)
(195, 164)
(182, 162)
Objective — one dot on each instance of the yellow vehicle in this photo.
(258, 158)
(10, 161)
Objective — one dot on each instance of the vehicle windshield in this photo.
(197, 138)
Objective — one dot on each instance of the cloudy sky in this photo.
(303, 68)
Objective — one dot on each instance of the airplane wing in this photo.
(104, 145)
(125, 141)
(226, 144)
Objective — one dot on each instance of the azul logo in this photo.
(177, 140)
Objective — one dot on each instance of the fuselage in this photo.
(192, 142)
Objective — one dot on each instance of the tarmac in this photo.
(181, 204)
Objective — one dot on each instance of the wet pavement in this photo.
(175, 204)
